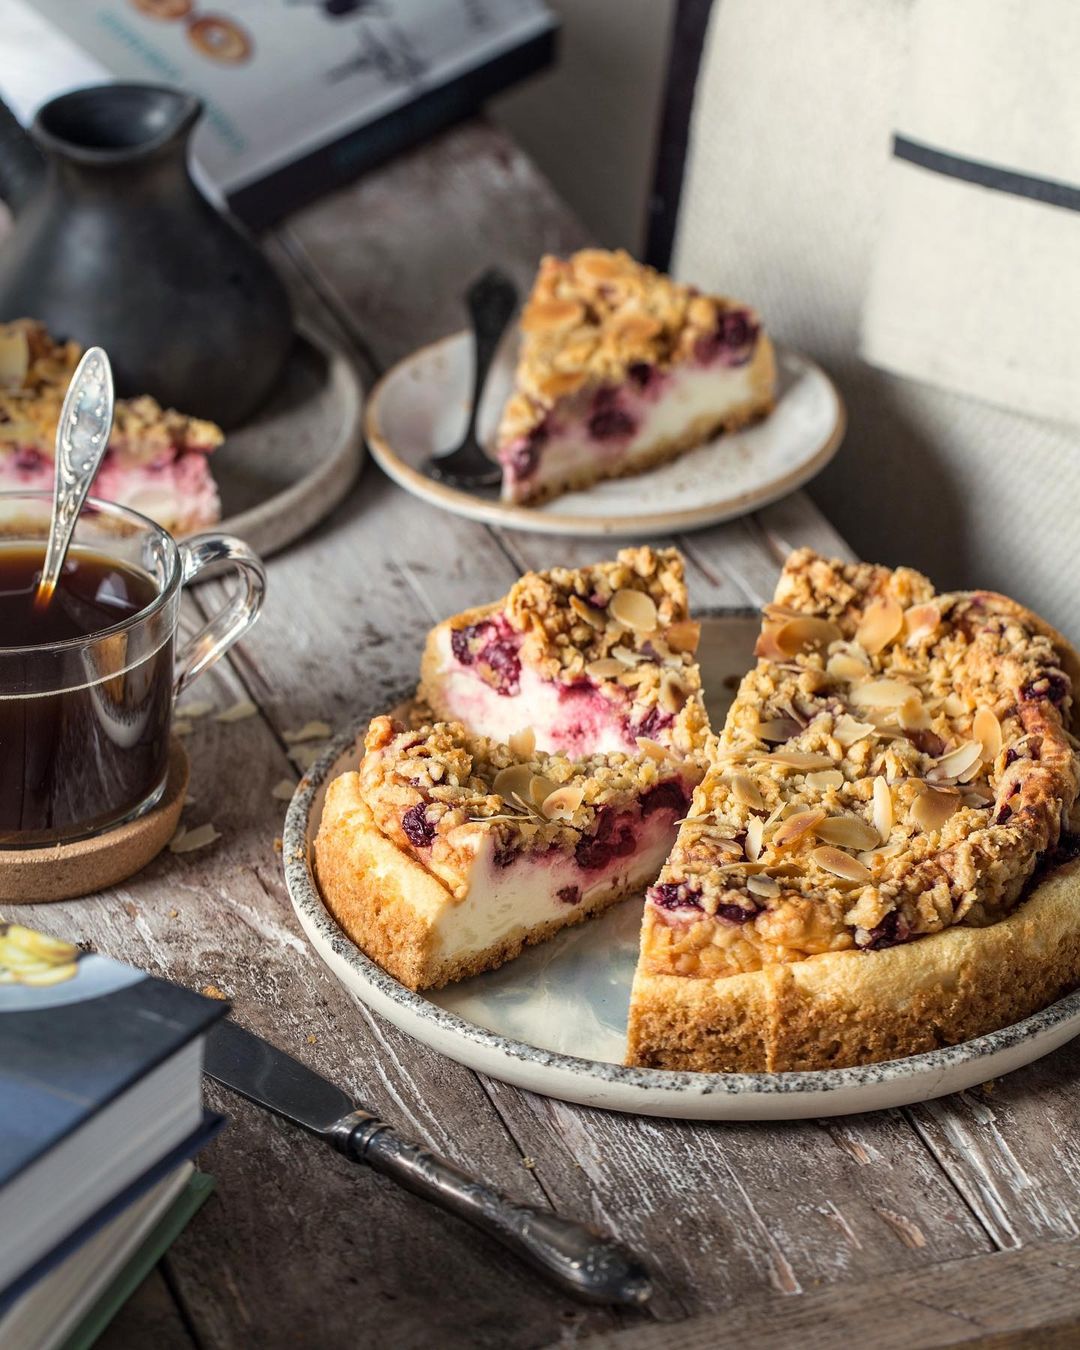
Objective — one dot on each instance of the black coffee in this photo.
(73, 760)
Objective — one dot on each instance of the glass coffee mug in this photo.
(87, 687)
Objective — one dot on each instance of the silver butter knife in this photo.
(579, 1259)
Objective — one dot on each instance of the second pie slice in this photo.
(621, 369)
(593, 659)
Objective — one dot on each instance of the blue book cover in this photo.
(76, 1031)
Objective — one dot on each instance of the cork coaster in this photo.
(65, 871)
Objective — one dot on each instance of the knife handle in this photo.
(578, 1258)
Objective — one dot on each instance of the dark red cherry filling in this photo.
(737, 913)
(664, 797)
(1049, 684)
(418, 829)
(674, 895)
(608, 421)
(569, 895)
(890, 932)
(494, 644)
(654, 722)
(596, 850)
(28, 459)
(731, 341)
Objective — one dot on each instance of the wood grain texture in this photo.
(300, 1247)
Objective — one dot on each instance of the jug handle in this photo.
(22, 164)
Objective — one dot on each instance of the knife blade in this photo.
(578, 1258)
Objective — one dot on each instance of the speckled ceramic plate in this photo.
(554, 1020)
(419, 408)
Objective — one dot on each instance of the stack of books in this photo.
(100, 1112)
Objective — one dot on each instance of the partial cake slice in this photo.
(445, 854)
(877, 862)
(621, 369)
(592, 659)
(156, 462)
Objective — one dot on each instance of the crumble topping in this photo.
(597, 316)
(437, 791)
(895, 763)
(35, 372)
(621, 627)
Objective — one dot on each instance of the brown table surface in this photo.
(947, 1223)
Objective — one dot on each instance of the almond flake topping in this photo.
(796, 635)
(523, 743)
(796, 826)
(684, 635)
(883, 809)
(634, 609)
(882, 693)
(563, 802)
(755, 834)
(848, 731)
(745, 791)
(882, 621)
(846, 666)
(920, 621)
(797, 759)
(606, 668)
(593, 617)
(958, 761)
(825, 779)
(848, 832)
(763, 886)
(987, 731)
(513, 781)
(778, 729)
(841, 864)
(931, 809)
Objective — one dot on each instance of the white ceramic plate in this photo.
(290, 466)
(554, 1020)
(420, 406)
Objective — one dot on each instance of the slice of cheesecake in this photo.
(877, 862)
(591, 659)
(621, 369)
(156, 462)
(446, 853)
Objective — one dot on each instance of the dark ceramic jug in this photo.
(115, 245)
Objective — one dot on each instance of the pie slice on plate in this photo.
(446, 853)
(592, 659)
(157, 460)
(621, 369)
(878, 862)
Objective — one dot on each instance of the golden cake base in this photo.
(64, 871)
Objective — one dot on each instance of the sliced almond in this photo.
(651, 748)
(627, 656)
(606, 668)
(672, 695)
(848, 832)
(513, 782)
(778, 729)
(845, 666)
(540, 788)
(987, 731)
(240, 709)
(310, 731)
(796, 827)
(683, 636)
(745, 791)
(957, 761)
(799, 635)
(187, 841)
(884, 815)
(765, 647)
(913, 715)
(841, 864)
(563, 802)
(587, 614)
(523, 743)
(798, 759)
(825, 779)
(875, 857)
(882, 694)
(931, 809)
(634, 609)
(763, 886)
(920, 621)
(848, 730)
(755, 835)
(881, 622)
(14, 357)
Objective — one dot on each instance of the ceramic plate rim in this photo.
(637, 1083)
(542, 522)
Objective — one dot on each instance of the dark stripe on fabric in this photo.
(991, 176)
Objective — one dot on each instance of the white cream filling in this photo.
(691, 393)
(471, 700)
(508, 901)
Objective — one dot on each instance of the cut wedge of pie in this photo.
(156, 462)
(592, 659)
(446, 853)
(621, 369)
(876, 863)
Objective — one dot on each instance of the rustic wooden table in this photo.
(941, 1224)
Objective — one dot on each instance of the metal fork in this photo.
(491, 300)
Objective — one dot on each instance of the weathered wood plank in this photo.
(1006, 1299)
(149, 1317)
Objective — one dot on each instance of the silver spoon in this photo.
(82, 436)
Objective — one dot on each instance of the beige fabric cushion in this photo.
(783, 205)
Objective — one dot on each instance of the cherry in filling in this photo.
(494, 644)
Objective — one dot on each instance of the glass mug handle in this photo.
(234, 619)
